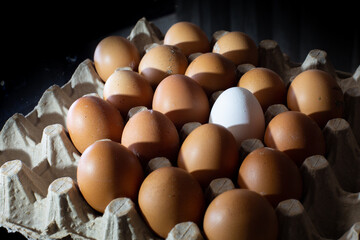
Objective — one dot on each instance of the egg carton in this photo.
(39, 196)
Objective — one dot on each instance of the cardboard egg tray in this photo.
(39, 196)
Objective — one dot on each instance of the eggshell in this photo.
(160, 62)
(209, 152)
(90, 119)
(240, 214)
(187, 36)
(213, 72)
(295, 134)
(237, 47)
(108, 170)
(126, 89)
(182, 100)
(151, 134)
(317, 94)
(272, 174)
(240, 112)
(114, 52)
(169, 196)
(266, 85)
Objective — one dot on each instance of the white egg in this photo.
(239, 111)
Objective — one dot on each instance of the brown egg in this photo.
(209, 152)
(213, 72)
(187, 36)
(162, 61)
(169, 196)
(182, 100)
(126, 89)
(90, 119)
(272, 174)
(114, 52)
(238, 47)
(266, 85)
(108, 170)
(295, 134)
(240, 214)
(151, 134)
(317, 94)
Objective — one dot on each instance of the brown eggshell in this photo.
(151, 134)
(295, 134)
(237, 47)
(209, 152)
(114, 52)
(90, 119)
(240, 214)
(126, 89)
(272, 174)
(169, 196)
(266, 85)
(108, 170)
(213, 72)
(187, 36)
(317, 94)
(162, 61)
(182, 100)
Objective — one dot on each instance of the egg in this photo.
(169, 196)
(209, 152)
(162, 61)
(91, 118)
(114, 52)
(317, 94)
(213, 72)
(108, 170)
(240, 214)
(126, 89)
(187, 36)
(182, 100)
(295, 134)
(266, 85)
(272, 174)
(149, 134)
(238, 47)
(240, 112)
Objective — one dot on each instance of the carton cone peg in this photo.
(352, 113)
(121, 221)
(344, 153)
(294, 223)
(185, 231)
(157, 163)
(332, 210)
(218, 186)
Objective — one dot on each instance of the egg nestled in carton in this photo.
(40, 198)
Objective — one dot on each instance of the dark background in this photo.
(42, 44)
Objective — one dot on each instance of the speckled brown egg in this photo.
(266, 85)
(162, 61)
(317, 94)
(240, 214)
(91, 118)
(151, 134)
(126, 89)
(238, 47)
(213, 72)
(272, 174)
(187, 36)
(295, 134)
(209, 152)
(169, 196)
(182, 100)
(108, 170)
(114, 52)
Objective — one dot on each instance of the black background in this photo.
(42, 44)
